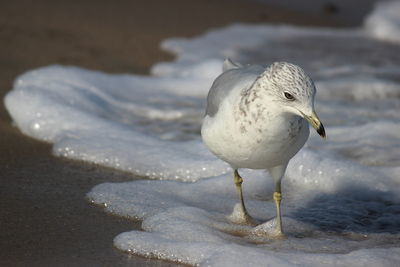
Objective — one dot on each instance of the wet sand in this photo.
(45, 219)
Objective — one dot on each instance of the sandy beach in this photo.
(45, 219)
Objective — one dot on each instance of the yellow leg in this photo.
(277, 173)
(277, 199)
(238, 182)
(245, 217)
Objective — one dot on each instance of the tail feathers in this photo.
(229, 64)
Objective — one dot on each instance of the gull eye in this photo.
(289, 96)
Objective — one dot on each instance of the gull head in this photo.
(294, 90)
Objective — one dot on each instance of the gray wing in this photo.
(235, 76)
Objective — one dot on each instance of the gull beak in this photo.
(316, 124)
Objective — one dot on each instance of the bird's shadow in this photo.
(352, 209)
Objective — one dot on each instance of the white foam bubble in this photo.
(334, 216)
(384, 22)
(106, 119)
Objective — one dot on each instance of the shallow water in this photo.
(341, 196)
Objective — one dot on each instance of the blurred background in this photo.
(44, 218)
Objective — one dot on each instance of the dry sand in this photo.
(44, 217)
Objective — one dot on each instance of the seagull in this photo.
(257, 118)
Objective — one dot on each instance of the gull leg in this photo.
(277, 173)
(277, 199)
(238, 182)
(243, 216)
